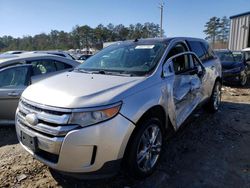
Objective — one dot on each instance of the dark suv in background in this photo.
(233, 71)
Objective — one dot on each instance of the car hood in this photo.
(79, 90)
(231, 65)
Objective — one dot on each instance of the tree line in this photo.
(217, 31)
(80, 37)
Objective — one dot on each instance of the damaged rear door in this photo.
(186, 91)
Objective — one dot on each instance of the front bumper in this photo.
(83, 150)
(228, 76)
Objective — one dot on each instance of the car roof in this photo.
(246, 49)
(160, 40)
(23, 56)
(9, 59)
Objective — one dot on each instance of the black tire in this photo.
(133, 167)
(214, 102)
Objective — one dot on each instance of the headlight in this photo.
(87, 118)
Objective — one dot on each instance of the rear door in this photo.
(13, 81)
(208, 59)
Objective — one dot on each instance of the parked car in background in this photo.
(232, 70)
(118, 106)
(56, 52)
(246, 57)
(83, 58)
(19, 71)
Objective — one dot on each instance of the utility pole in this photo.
(161, 22)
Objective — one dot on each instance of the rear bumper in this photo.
(86, 150)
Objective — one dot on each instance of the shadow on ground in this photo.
(8, 135)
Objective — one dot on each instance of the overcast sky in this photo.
(181, 17)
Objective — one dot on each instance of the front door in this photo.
(13, 81)
(186, 86)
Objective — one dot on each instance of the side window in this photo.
(197, 48)
(61, 66)
(182, 64)
(179, 48)
(43, 66)
(14, 77)
(209, 52)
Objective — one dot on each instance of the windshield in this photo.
(238, 56)
(225, 57)
(126, 58)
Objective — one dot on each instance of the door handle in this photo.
(13, 94)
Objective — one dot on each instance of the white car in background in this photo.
(246, 53)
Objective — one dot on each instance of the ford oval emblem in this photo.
(31, 119)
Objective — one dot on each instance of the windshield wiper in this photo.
(83, 71)
(116, 73)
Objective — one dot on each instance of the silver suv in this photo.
(118, 106)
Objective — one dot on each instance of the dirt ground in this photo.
(210, 150)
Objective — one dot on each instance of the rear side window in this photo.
(48, 65)
(209, 51)
(198, 49)
(43, 66)
(61, 65)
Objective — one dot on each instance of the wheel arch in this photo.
(155, 111)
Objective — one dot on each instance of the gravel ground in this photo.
(210, 150)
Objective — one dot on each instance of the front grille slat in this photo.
(50, 127)
(49, 130)
(50, 123)
(44, 115)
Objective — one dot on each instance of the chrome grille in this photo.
(50, 123)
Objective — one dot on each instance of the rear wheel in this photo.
(215, 99)
(145, 149)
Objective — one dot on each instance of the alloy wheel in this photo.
(149, 148)
(217, 96)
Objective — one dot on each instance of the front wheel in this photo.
(145, 148)
(215, 99)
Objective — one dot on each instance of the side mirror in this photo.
(197, 70)
(194, 71)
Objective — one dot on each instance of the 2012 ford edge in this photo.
(118, 106)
